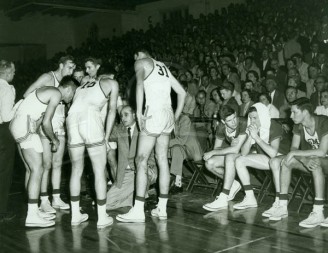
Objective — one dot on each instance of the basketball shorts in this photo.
(158, 121)
(85, 129)
(24, 130)
(58, 126)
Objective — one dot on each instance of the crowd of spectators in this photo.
(261, 46)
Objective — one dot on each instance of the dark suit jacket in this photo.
(126, 155)
(267, 66)
(308, 58)
(185, 135)
(315, 99)
(242, 108)
(278, 99)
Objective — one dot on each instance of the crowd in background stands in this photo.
(250, 49)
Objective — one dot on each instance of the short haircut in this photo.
(226, 111)
(69, 81)
(252, 109)
(78, 69)
(201, 92)
(125, 107)
(291, 88)
(268, 97)
(297, 55)
(249, 92)
(324, 90)
(94, 60)
(5, 65)
(226, 85)
(303, 104)
(65, 58)
(142, 49)
(254, 73)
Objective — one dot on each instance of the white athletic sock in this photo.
(250, 193)
(44, 198)
(32, 209)
(283, 202)
(178, 180)
(75, 208)
(162, 202)
(101, 211)
(277, 199)
(139, 206)
(56, 196)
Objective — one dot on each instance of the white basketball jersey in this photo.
(157, 86)
(89, 96)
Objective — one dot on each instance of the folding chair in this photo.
(198, 178)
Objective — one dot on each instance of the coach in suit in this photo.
(277, 97)
(183, 145)
(126, 137)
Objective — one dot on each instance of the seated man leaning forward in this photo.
(266, 135)
(308, 154)
(126, 137)
(232, 130)
(184, 145)
(37, 109)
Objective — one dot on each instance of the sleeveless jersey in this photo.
(157, 86)
(32, 107)
(89, 96)
(60, 109)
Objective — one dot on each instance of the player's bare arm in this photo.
(140, 76)
(43, 80)
(110, 88)
(176, 86)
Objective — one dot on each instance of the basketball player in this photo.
(85, 128)
(38, 108)
(156, 124)
(53, 160)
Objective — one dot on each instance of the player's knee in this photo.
(161, 157)
(240, 162)
(141, 159)
(209, 164)
(46, 165)
(274, 164)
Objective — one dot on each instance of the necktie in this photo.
(129, 136)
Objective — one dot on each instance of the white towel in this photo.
(265, 121)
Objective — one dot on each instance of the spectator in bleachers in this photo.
(311, 57)
(294, 78)
(246, 98)
(184, 145)
(207, 86)
(301, 66)
(280, 75)
(248, 65)
(221, 160)
(277, 98)
(308, 154)
(265, 61)
(214, 77)
(292, 46)
(314, 71)
(215, 97)
(254, 77)
(266, 134)
(226, 91)
(322, 61)
(192, 85)
(266, 100)
(231, 77)
(320, 84)
(190, 101)
(291, 96)
(323, 108)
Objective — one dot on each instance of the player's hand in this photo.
(312, 163)
(141, 120)
(207, 155)
(253, 131)
(54, 145)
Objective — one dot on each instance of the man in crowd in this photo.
(7, 143)
(156, 124)
(126, 136)
(184, 145)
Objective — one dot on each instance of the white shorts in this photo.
(58, 126)
(158, 122)
(24, 131)
(85, 129)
